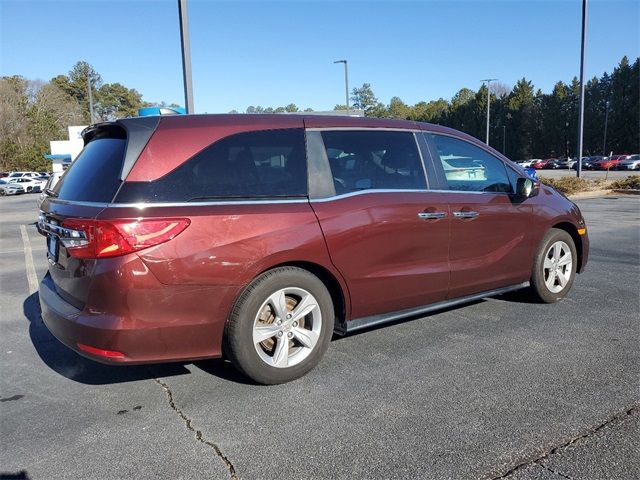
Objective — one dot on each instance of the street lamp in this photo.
(186, 55)
(346, 82)
(581, 116)
(90, 88)
(488, 80)
(606, 120)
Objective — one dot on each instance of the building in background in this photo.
(63, 152)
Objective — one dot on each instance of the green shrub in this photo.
(632, 182)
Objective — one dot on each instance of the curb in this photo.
(591, 194)
(627, 191)
(603, 193)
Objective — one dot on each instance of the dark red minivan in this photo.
(259, 236)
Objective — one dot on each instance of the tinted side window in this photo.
(258, 164)
(362, 160)
(95, 175)
(470, 168)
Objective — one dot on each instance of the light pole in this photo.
(581, 117)
(89, 88)
(504, 139)
(488, 80)
(346, 81)
(606, 120)
(186, 55)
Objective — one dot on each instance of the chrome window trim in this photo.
(142, 206)
(368, 191)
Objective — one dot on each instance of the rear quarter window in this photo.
(260, 164)
(95, 175)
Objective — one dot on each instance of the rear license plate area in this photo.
(52, 247)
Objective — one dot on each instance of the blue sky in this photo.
(274, 53)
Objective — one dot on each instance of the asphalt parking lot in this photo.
(501, 388)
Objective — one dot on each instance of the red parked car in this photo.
(259, 236)
(609, 163)
(540, 164)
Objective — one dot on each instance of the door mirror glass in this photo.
(526, 187)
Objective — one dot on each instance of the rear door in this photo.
(387, 233)
(490, 245)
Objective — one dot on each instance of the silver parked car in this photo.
(632, 162)
(7, 188)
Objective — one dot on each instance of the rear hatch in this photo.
(86, 189)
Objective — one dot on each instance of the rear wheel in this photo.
(280, 326)
(554, 267)
(2, 193)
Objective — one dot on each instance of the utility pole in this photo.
(581, 116)
(186, 55)
(606, 120)
(346, 82)
(488, 81)
(89, 90)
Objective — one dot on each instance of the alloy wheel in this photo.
(557, 266)
(287, 327)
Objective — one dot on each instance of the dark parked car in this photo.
(554, 164)
(183, 237)
(588, 163)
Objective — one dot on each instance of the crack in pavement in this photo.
(198, 433)
(585, 434)
(541, 465)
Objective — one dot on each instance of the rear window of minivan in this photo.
(95, 175)
(259, 164)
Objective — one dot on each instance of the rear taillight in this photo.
(86, 238)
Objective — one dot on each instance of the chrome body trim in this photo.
(60, 231)
(373, 320)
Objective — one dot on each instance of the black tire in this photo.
(2, 193)
(239, 345)
(539, 287)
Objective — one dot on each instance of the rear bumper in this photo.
(143, 337)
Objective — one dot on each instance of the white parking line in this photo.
(32, 278)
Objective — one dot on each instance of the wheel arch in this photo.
(571, 229)
(338, 294)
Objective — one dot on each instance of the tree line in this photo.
(33, 112)
(525, 122)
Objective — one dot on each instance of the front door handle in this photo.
(431, 215)
(465, 214)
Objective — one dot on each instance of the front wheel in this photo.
(280, 326)
(554, 267)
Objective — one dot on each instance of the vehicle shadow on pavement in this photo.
(73, 366)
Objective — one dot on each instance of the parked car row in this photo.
(596, 162)
(23, 182)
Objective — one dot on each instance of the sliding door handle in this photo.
(465, 214)
(431, 215)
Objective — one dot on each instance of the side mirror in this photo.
(526, 187)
